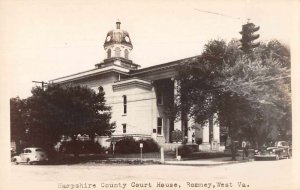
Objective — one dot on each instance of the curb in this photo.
(217, 164)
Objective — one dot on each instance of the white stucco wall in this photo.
(139, 110)
(139, 119)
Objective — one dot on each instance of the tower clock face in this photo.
(108, 38)
(126, 39)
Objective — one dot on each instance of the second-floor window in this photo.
(124, 104)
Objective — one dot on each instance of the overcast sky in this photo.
(43, 39)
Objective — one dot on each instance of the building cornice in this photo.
(119, 69)
(136, 82)
(159, 67)
(90, 73)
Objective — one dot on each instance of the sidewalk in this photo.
(208, 162)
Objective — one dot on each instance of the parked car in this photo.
(281, 148)
(31, 155)
(277, 150)
(265, 154)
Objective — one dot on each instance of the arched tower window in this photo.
(108, 53)
(117, 52)
(126, 53)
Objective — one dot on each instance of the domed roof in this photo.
(117, 36)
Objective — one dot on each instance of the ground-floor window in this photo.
(124, 128)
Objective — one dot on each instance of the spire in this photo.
(118, 23)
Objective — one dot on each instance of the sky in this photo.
(42, 39)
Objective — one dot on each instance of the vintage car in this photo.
(278, 150)
(281, 148)
(31, 155)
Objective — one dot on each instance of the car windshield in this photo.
(39, 150)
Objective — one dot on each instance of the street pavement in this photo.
(253, 175)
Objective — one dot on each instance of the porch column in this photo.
(178, 123)
(154, 113)
(205, 134)
(216, 133)
(205, 146)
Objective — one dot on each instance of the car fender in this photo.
(17, 158)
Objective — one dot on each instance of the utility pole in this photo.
(247, 32)
(41, 82)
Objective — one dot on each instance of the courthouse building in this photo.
(140, 98)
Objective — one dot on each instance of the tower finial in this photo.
(118, 24)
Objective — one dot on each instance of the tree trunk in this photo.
(233, 150)
(75, 146)
(232, 144)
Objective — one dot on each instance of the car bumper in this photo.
(265, 157)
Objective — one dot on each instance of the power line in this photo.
(220, 14)
(244, 84)
(247, 83)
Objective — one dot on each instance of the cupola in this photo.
(118, 43)
(118, 47)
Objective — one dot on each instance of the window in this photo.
(159, 98)
(27, 151)
(126, 53)
(118, 52)
(159, 125)
(100, 89)
(108, 53)
(124, 128)
(124, 104)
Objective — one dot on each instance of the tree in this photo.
(66, 110)
(250, 92)
(18, 120)
(263, 79)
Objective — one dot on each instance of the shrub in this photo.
(81, 147)
(185, 150)
(130, 146)
(149, 145)
(126, 146)
(199, 141)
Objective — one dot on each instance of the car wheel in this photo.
(28, 161)
(14, 160)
